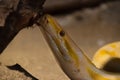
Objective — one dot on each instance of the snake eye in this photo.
(62, 33)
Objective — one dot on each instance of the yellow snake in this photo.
(73, 61)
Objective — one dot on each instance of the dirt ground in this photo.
(90, 28)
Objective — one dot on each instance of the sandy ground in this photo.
(89, 28)
(6, 74)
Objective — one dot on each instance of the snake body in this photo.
(73, 61)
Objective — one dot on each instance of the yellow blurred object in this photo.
(107, 52)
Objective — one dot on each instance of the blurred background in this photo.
(90, 23)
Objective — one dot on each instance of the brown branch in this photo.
(65, 6)
(25, 15)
